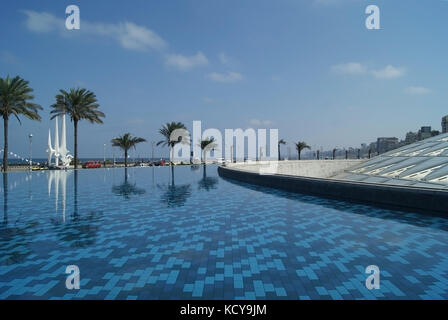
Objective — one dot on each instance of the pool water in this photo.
(157, 233)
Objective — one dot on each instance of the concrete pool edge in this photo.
(411, 198)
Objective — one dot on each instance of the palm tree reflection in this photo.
(175, 196)
(5, 198)
(207, 183)
(80, 230)
(75, 195)
(16, 234)
(127, 189)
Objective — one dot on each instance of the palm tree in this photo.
(79, 104)
(300, 146)
(207, 145)
(278, 146)
(334, 153)
(15, 97)
(126, 142)
(166, 131)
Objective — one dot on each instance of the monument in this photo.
(61, 155)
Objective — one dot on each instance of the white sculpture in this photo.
(60, 153)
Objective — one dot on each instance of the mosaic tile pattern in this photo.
(147, 236)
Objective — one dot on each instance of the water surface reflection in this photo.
(127, 189)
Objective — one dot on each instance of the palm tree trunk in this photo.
(5, 148)
(278, 147)
(75, 129)
(299, 154)
(125, 158)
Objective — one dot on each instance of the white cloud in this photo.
(223, 58)
(255, 122)
(207, 100)
(258, 123)
(228, 77)
(417, 90)
(389, 72)
(134, 37)
(325, 2)
(184, 63)
(135, 121)
(9, 58)
(128, 35)
(42, 21)
(356, 68)
(332, 2)
(349, 68)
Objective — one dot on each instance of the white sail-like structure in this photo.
(50, 150)
(59, 151)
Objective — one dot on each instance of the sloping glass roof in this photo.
(421, 164)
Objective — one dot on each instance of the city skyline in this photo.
(322, 78)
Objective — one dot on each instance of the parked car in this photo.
(161, 162)
(54, 167)
(92, 165)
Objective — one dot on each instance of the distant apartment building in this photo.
(424, 133)
(445, 124)
(386, 144)
(372, 147)
(411, 137)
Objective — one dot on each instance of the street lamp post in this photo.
(152, 150)
(30, 136)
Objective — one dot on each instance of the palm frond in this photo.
(15, 97)
(126, 141)
(79, 104)
(301, 145)
(167, 130)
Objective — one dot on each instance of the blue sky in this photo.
(309, 68)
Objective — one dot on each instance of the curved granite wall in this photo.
(420, 199)
(306, 168)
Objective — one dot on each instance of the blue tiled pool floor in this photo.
(201, 237)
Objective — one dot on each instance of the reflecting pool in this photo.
(186, 233)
